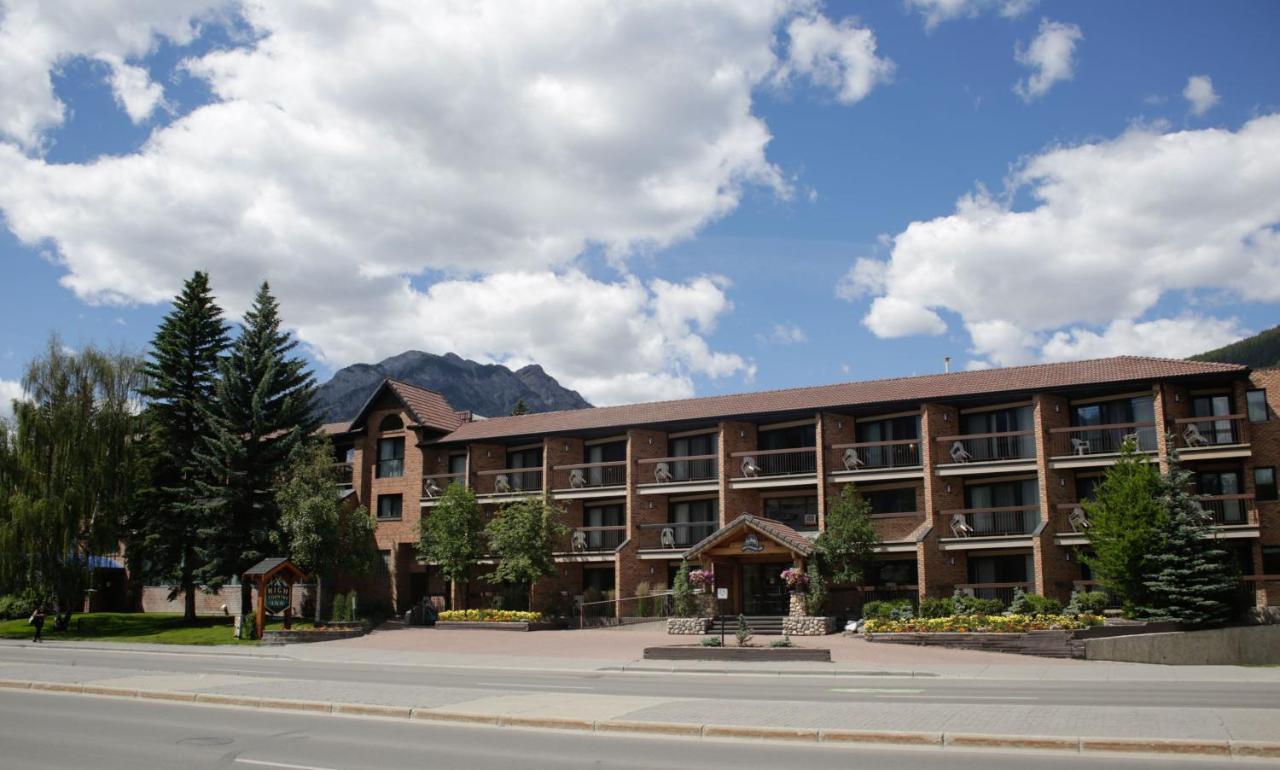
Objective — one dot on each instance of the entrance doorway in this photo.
(763, 592)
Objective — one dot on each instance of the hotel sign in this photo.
(752, 544)
(276, 595)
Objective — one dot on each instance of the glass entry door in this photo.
(763, 592)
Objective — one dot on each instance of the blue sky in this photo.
(687, 204)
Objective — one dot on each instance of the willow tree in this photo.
(72, 470)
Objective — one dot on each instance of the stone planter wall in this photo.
(688, 626)
(808, 625)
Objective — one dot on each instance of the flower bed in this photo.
(985, 624)
(490, 616)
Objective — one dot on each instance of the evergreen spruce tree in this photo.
(1189, 576)
(520, 408)
(1123, 526)
(182, 370)
(263, 410)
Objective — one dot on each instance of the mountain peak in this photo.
(490, 390)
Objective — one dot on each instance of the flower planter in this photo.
(495, 625)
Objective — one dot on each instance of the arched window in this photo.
(391, 422)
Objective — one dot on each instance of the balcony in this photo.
(1230, 510)
(345, 473)
(1211, 438)
(664, 539)
(678, 475)
(775, 468)
(876, 460)
(1071, 524)
(1092, 446)
(433, 486)
(587, 480)
(1001, 527)
(1002, 591)
(588, 541)
(977, 453)
(509, 483)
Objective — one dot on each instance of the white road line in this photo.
(878, 690)
(966, 697)
(264, 763)
(511, 686)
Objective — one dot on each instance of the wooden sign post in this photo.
(273, 579)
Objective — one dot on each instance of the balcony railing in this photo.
(1196, 432)
(591, 475)
(434, 485)
(985, 447)
(1072, 518)
(991, 522)
(1086, 440)
(665, 470)
(1002, 591)
(596, 539)
(511, 480)
(1226, 510)
(345, 473)
(776, 462)
(675, 534)
(391, 469)
(874, 455)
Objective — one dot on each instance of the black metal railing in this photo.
(1219, 430)
(986, 447)
(992, 522)
(873, 455)
(776, 462)
(1083, 441)
(665, 470)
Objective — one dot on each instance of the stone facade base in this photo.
(688, 626)
(807, 625)
(303, 636)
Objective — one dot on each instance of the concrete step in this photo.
(762, 625)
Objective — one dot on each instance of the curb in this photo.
(629, 669)
(876, 738)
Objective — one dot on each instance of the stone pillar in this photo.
(797, 608)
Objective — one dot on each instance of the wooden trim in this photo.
(608, 440)
(686, 458)
(692, 433)
(785, 493)
(1001, 509)
(768, 452)
(540, 445)
(576, 466)
(788, 424)
(1002, 434)
(1114, 397)
(863, 444)
(879, 417)
(996, 407)
(500, 471)
(1107, 426)
(1210, 418)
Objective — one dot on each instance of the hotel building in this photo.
(974, 478)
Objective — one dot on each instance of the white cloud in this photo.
(37, 36)
(783, 334)
(1051, 57)
(10, 390)
(1200, 94)
(345, 157)
(840, 56)
(1115, 226)
(937, 11)
(1178, 337)
(134, 90)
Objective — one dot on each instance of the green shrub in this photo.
(1087, 603)
(1033, 604)
(711, 641)
(935, 607)
(17, 606)
(891, 609)
(341, 608)
(783, 642)
(743, 632)
(964, 604)
(686, 603)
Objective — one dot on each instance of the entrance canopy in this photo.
(750, 535)
(269, 568)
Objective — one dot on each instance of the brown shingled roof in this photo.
(903, 389)
(775, 530)
(428, 408)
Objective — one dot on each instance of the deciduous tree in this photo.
(452, 535)
(523, 536)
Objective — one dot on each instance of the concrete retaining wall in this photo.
(1240, 646)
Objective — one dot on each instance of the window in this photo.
(799, 513)
(1256, 400)
(457, 464)
(604, 516)
(389, 506)
(895, 572)
(997, 421)
(1271, 560)
(530, 459)
(891, 429)
(390, 457)
(892, 500)
(697, 516)
(609, 476)
(795, 437)
(1216, 431)
(1086, 486)
(1003, 509)
(383, 567)
(693, 446)
(599, 579)
(1223, 488)
(390, 423)
(1264, 483)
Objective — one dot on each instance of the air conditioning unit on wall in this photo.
(811, 519)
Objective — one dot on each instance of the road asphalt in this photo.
(42, 730)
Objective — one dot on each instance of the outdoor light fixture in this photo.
(1057, 408)
(566, 446)
(742, 434)
(839, 424)
(1062, 482)
(948, 487)
(946, 417)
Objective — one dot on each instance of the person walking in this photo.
(37, 620)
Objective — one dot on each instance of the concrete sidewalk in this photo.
(1212, 730)
(620, 651)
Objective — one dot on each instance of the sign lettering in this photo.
(276, 597)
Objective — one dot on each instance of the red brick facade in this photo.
(943, 558)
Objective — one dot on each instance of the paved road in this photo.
(841, 689)
(40, 730)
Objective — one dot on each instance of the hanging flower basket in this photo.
(702, 579)
(796, 581)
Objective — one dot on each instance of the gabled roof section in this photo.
(776, 531)
(428, 408)
(1102, 371)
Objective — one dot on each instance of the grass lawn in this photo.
(152, 627)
